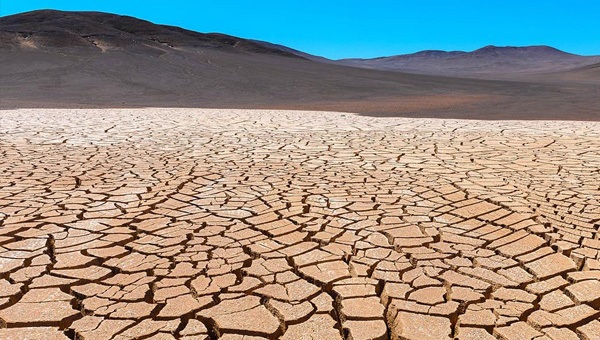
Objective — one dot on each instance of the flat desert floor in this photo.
(239, 224)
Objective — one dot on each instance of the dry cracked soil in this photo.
(239, 224)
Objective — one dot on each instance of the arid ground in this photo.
(239, 224)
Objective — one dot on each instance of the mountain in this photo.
(49, 30)
(88, 59)
(486, 62)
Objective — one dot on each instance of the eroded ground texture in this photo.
(163, 223)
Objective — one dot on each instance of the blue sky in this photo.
(349, 28)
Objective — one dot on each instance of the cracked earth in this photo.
(235, 224)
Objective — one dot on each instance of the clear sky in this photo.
(350, 28)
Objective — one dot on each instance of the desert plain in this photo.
(250, 224)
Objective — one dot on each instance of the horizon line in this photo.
(464, 50)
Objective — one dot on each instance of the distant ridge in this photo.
(489, 50)
(486, 62)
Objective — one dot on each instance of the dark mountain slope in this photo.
(50, 30)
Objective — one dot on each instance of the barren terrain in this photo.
(54, 59)
(240, 224)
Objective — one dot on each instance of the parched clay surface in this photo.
(238, 224)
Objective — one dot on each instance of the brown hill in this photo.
(85, 59)
(589, 74)
(490, 62)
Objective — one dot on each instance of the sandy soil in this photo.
(239, 224)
